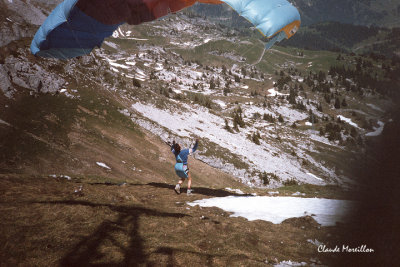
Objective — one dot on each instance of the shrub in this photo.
(290, 182)
(136, 82)
(266, 177)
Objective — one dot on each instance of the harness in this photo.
(181, 169)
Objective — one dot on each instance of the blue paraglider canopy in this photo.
(75, 27)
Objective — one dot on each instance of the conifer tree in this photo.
(337, 103)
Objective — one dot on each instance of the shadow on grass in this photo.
(201, 190)
(207, 259)
(112, 240)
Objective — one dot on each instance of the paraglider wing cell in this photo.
(269, 17)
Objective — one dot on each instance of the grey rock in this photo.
(5, 84)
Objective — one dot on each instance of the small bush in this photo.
(266, 177)
(136, 83)
(290, 182)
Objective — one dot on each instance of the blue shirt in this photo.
(184, 153)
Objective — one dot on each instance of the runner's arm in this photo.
(196, 144)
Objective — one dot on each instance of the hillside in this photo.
(87, 178)
(340, 37)
(382, 13)
(347, 26)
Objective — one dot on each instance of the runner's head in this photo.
(177, 148)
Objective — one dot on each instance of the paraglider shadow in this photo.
(201, 190)
(88, 251)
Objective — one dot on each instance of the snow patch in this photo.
(314, 176)
(101, 164)
(290, 263)
(378, 130)
(4, 122)
(315, 242)
(349, 121)
(118, 65)
(110, 44)
(220, 103)
(237, 191)
(374, 107)
(60, 176)
(273, 92)
(277, 209)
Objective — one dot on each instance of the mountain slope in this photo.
(360, 12)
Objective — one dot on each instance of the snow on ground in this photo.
(140, 75)
(60, 176)
(265, 157)
(378, 130)
(314, 135)
(237, 191)
(315, 242)
(273, 92)
(290, 263)
(120, 32)
(277, 209)
(137, 39)
(111, 44)
(374, 107)
(221, 103)
(101, 164)
(159, 66)
(289, 114)
(117, 65)
(349, 121)
(250, 110)
(314, 176)
(4, 122)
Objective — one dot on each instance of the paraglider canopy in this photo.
(75, 27)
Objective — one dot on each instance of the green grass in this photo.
(327, 191)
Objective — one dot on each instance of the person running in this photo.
(181, 166)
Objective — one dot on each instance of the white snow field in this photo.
(265, 157)
(277, 209)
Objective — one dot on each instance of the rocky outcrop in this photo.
(19, 19)
(5, 84)
(20, 72)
